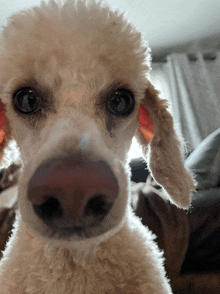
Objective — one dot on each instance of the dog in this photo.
(75, 90)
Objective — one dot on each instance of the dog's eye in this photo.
(26, 101)
(121, 102)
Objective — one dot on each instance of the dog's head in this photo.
(74, 92)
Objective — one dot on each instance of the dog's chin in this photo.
(73, 233)
(73, 237)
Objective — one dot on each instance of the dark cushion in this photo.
(139, 171)
(204, 162)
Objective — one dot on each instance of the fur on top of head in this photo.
(88, 48)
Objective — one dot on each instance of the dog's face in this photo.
(72, 81)
(72, 90)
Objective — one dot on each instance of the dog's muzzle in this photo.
(72, 194)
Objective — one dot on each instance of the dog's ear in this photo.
(163, 153)
(5, 134)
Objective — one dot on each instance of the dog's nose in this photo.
(73, 192)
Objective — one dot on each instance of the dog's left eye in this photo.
(121, 102)
(26, 101)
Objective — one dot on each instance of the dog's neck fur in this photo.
(31, 265)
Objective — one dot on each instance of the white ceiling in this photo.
(165, 23)
(168, 23)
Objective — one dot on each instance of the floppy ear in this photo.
(5, 134)
(163, 154)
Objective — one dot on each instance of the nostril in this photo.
(98, 206)
(50, 209)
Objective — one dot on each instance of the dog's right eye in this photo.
(26, 101)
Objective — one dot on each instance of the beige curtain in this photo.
(192, 85)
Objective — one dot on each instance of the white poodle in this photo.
(74, 89)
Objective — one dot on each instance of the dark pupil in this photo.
(119, 103)
(27, 100)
